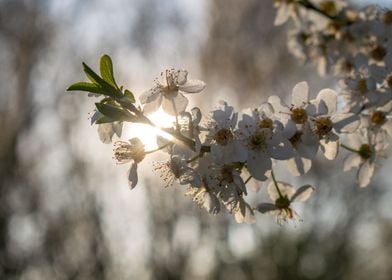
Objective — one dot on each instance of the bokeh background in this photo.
(65, 209)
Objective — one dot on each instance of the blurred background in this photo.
(65, 208)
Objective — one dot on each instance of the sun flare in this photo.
(147, 134)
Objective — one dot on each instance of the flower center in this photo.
(378, 53)
(362, 86)
(345, 66)
(266, 123)
(389, 81)
(329, 7)
(365, 152)
(223, 136)
(125, 152)
(296, 138)
(299, 115)
(227, 173)
(282, 202)
(258, 141)
(378, 118)
(388, 17)
(323, 125)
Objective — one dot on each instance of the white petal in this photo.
(285, 189)
(105, 132)
(150, 95)
(365, 173)
(303, 193)
(329, 98)
(311, 109)
(117, 128)
(289, 129)
(196, 115)
(258, 165)
(132, 176)
(152, 106)
(351, 161)
(211, 203)
(308, 151)
(266, 207)
(388, 127)
(278, 105)
(330, 146)
(192, 86)
(181, 77)
(387, 107)
(240, 184)
(282, 15)
(298, 165)
(346, 123)
(174, 105)
(300, 94)
(95, 117)
(280, 148)
(308, 137)
(244, 214)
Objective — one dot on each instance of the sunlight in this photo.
(147, 134)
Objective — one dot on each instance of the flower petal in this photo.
(132, 175)
(174, 105)
(352, 160)
(365, 173)
(346, 123)
(327, 97)
(180, 77)
(300, 94)
(266, 207)
(244, 213)
(258, 165)
(285, 189)
(299, 165)
(330, 146)
(280, 148)
(150, 95)
(152, 106)
(192, 86)
(282, 15)
(303, 193)
(106, 132)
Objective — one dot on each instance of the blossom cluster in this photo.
(355, 46)
(214, 156)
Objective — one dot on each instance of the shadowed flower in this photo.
(283, 194)
(132, 151)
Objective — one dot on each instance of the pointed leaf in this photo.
(106, 87)
(129, 96)
(114, 112)
(84, 86)
(106, 68)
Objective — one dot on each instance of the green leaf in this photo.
(84, 86)
(129, 96)
(108, 88)
(106, 68)
(104, 119)
(114, 112)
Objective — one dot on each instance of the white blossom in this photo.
(170, 92)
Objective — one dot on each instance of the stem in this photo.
(349, 149)
(158, 149)
(193, 159)
(310, 6)
(247, 180)
(276, 184)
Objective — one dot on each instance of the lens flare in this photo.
(148, 134)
